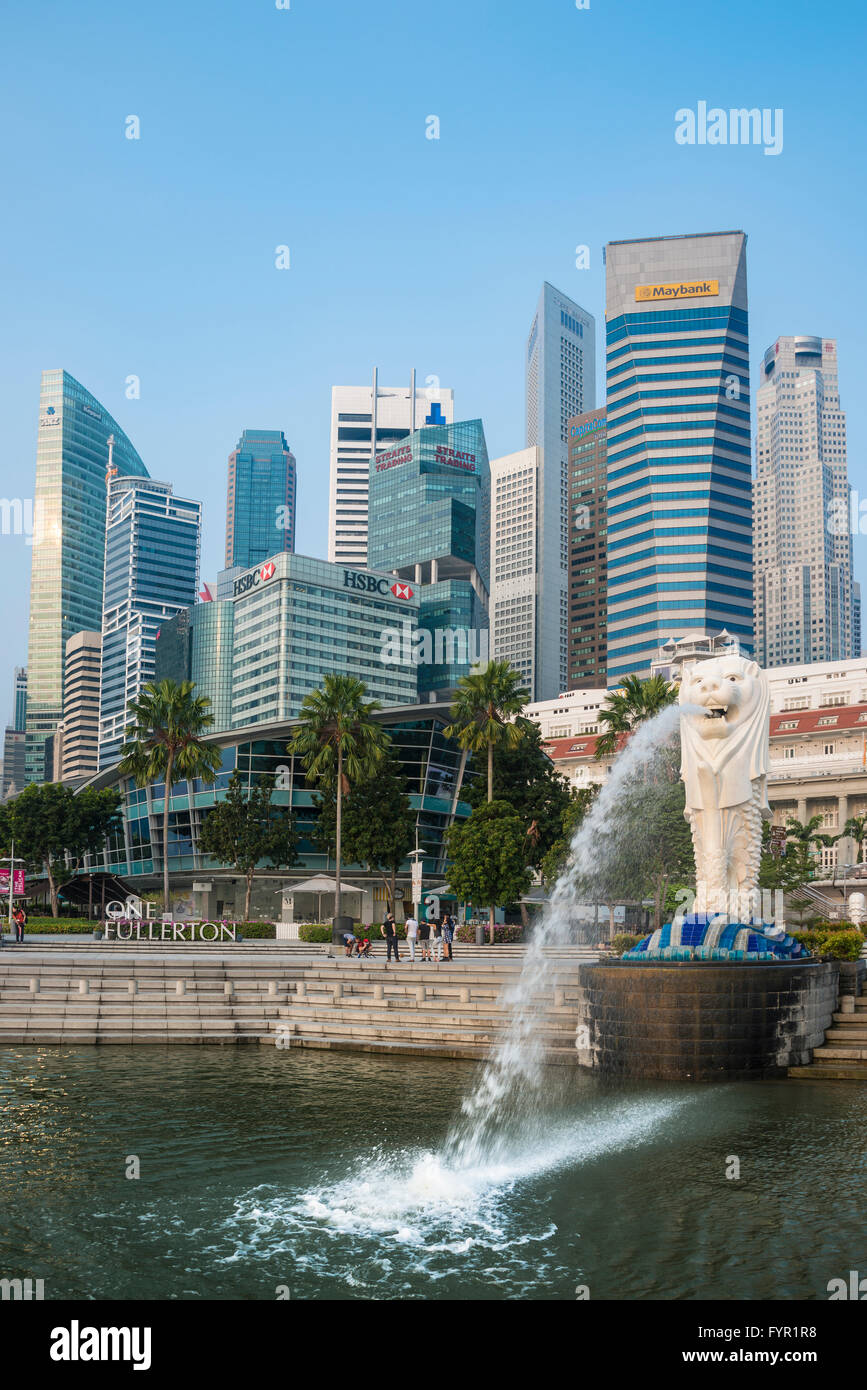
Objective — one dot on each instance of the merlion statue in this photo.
(725, 739)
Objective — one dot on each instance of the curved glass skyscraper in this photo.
(72, 457)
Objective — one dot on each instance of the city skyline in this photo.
(456, 306)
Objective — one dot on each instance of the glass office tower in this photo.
(72, 456)
(260, 503)
(152, 542)
(429, 524)
(560, 382)
(680, 501)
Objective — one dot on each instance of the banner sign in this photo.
(18, 881)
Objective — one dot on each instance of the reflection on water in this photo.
(331, 1176)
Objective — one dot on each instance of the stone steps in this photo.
(209, 996)
(843, 1055)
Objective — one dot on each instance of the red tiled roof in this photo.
(846, 717)
(581, 746)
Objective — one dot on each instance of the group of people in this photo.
(430, 938)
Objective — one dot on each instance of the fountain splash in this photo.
(507, 1091)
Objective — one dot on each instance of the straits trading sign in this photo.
(689, 289)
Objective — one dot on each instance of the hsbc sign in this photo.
(375, 584)
(259, 576)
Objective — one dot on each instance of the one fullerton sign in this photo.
(681, 289)
(133, 921)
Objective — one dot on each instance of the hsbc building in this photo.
(297, 619)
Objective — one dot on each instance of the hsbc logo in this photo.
(375, 584)
(249, 581)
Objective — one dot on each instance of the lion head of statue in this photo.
(724, 730)
(728, 690)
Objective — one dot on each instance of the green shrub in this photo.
(624, 942)
(842, 945)
(810, 940)
(313, 931)
(503, 936)
(255, 930)
(46, 926)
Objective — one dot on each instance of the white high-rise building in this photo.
(364, 421)
(560, 367)
(806, 604)
(525, 607)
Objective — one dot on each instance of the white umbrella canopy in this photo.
(319, 884)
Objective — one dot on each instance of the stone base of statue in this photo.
(706, 936)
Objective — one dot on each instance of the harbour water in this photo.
(267, 1174)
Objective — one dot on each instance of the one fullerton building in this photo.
(680, 543)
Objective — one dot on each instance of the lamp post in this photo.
(11, 860)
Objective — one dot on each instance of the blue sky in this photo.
(306, 127)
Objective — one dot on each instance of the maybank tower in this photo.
(680, 522)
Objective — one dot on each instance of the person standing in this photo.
(389, 931)
(437, 938)
(19, 917)
(448, 935)
(424, 938)
(411, 934)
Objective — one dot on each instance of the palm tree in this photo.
(807, 837)
(339, 742)
(486, 713)
(856, 829)
(166, 743)
(631, 704)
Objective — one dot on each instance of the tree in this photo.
(246, 829)
(378, 824)
(166, 742)
(486, 713)
(557, 857)
(630, 705)
(49, 824)
(340, 743)
(807, 839)
(540, 796)
(856, 829)
(487, 853)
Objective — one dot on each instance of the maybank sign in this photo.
(688, 289)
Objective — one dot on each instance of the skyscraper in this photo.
(364, 420)
(560, 368)
(680, 554)
(79, 754)
(19, 699)
(14, 738)
(525, 627)
(430, 526)
(260, 502)
(152, 541)
(805, 598)
(68, 550)
(588, 569)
